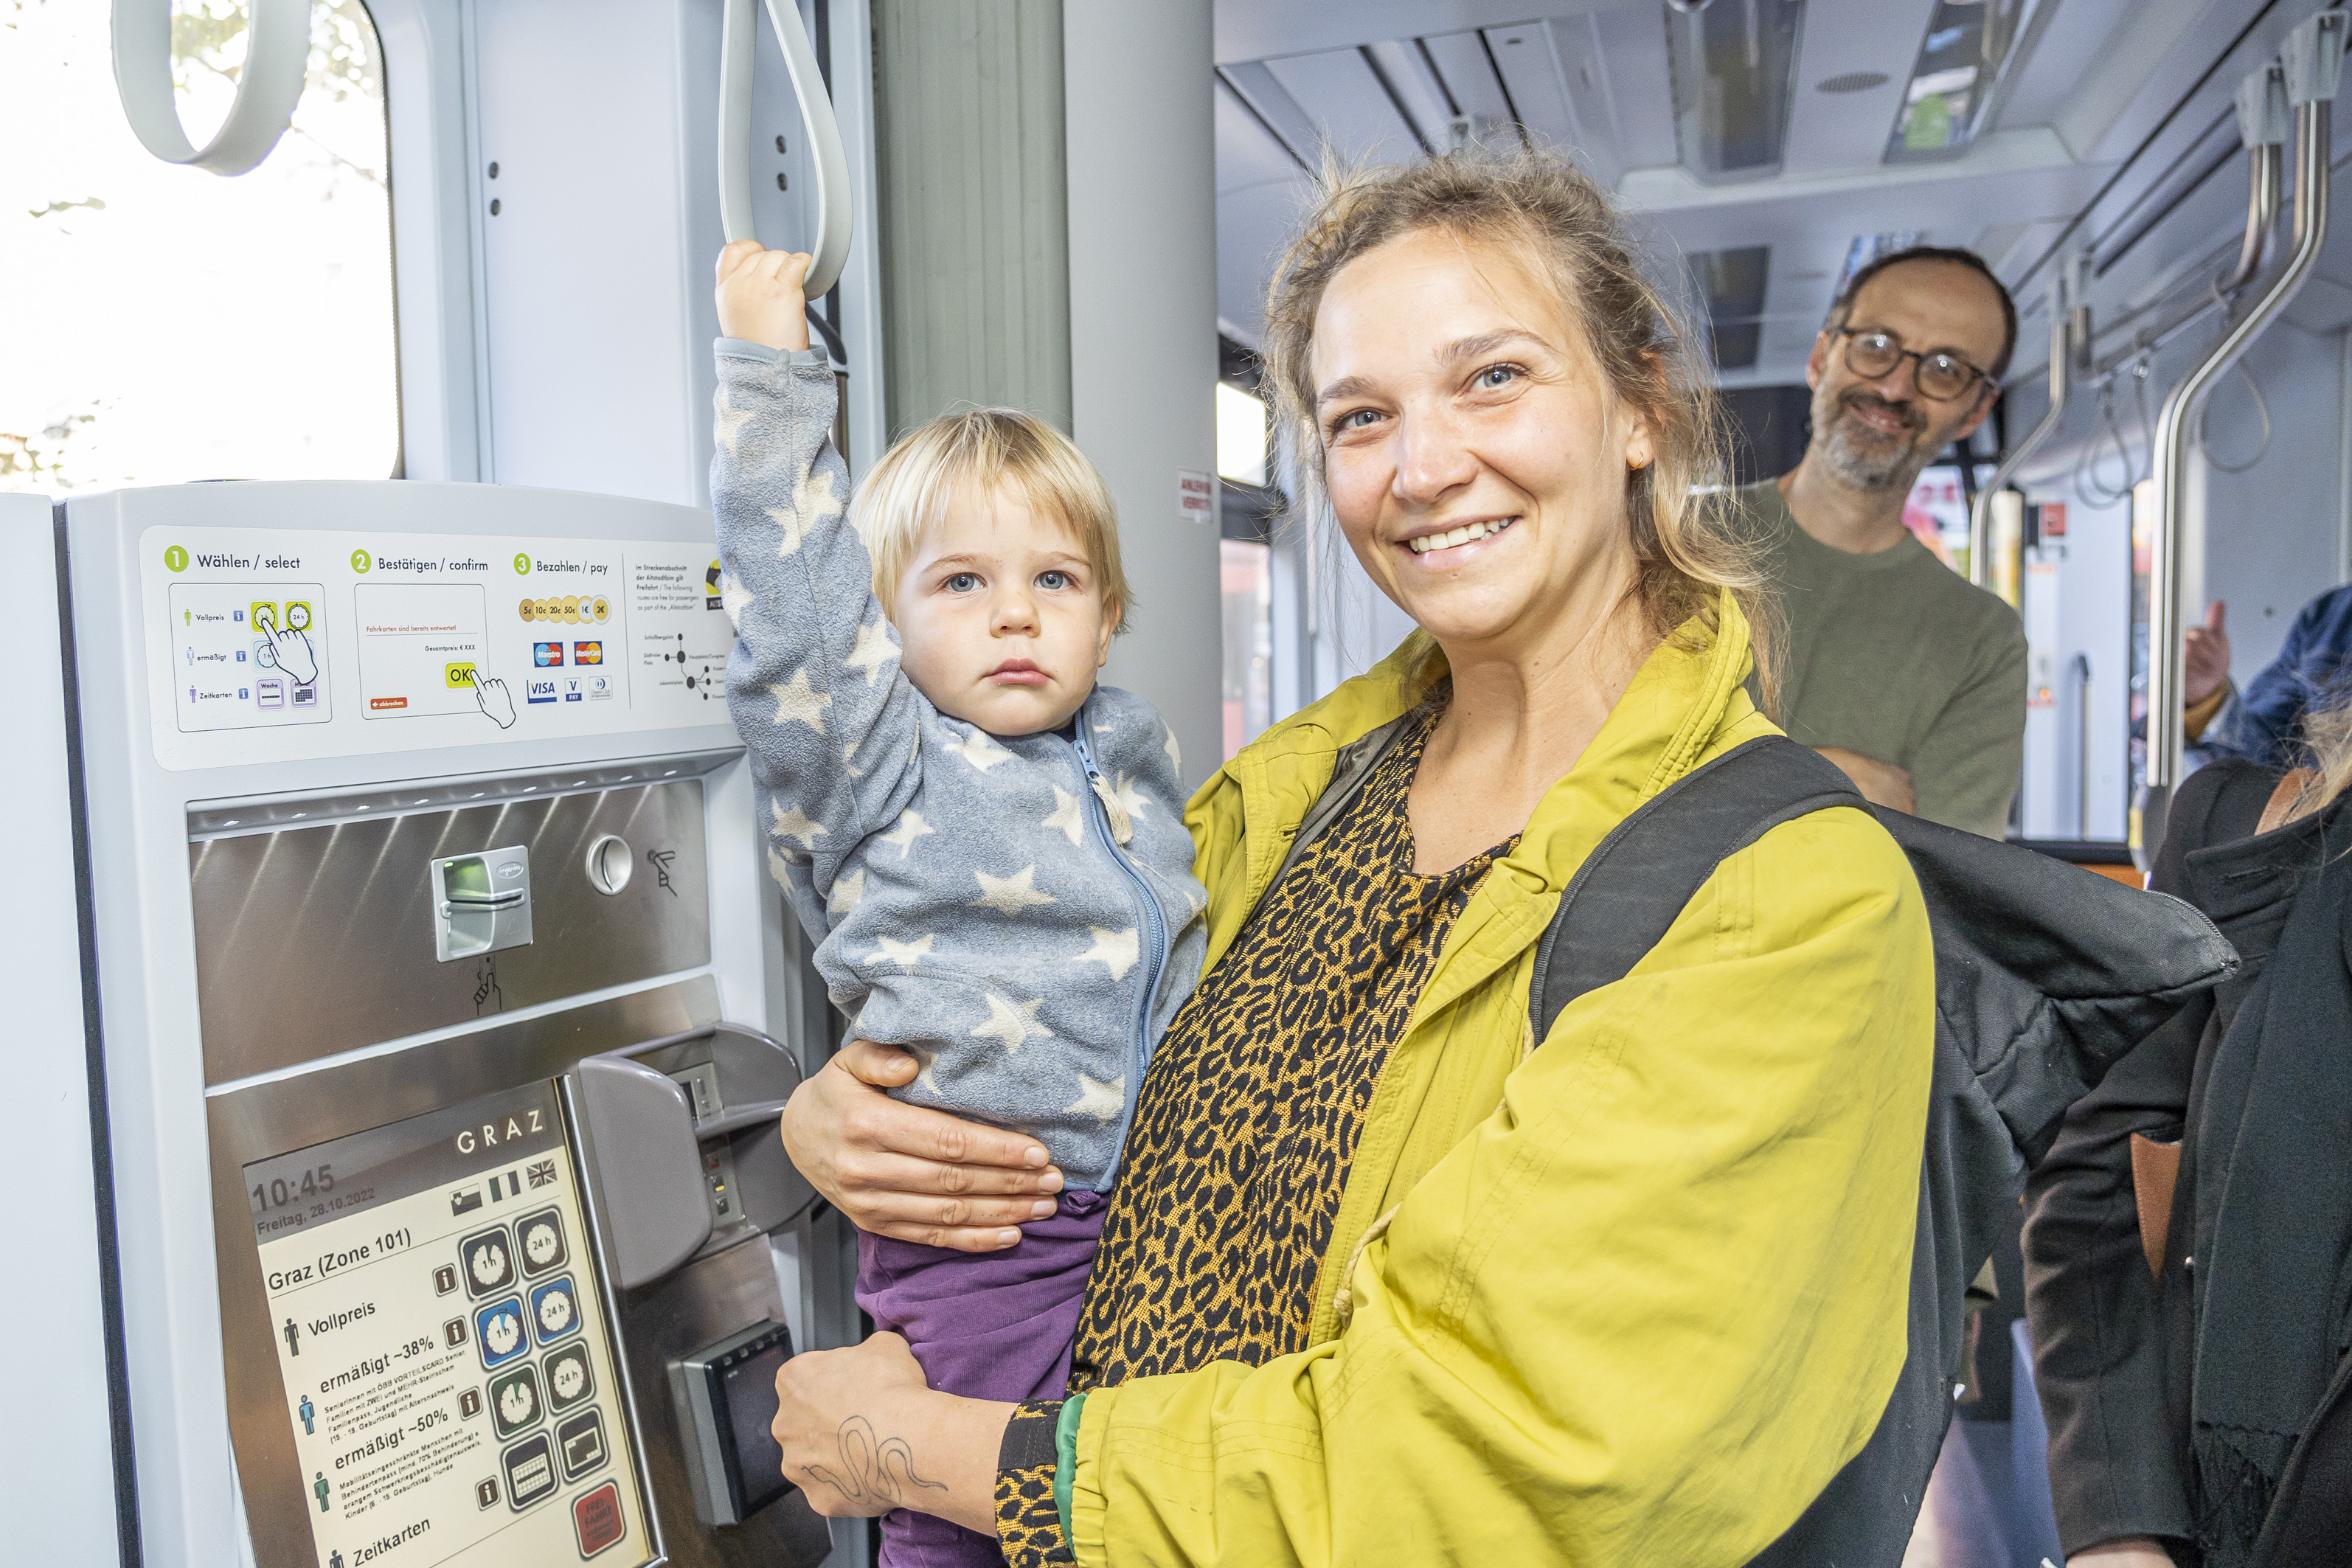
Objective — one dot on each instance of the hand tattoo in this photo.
(868, 1475)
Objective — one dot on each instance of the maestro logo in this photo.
(522, 565)
(175, 559)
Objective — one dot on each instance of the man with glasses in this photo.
(1891, 665)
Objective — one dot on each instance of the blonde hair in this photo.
(983, 449)
(2327, 745)
(1687, 539)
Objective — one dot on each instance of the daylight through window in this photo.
(164, 324)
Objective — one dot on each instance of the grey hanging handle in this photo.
(276, 59)
(739, 35)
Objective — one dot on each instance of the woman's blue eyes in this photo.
(1052, 580)
(1494, 378)
(961, 583)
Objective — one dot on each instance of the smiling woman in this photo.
(1394, 1272)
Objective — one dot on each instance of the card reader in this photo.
(725, 1396)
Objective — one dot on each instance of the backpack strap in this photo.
(1637, 883)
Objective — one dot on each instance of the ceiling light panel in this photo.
(1469, 75)
(1639, 85)
(1347, 103)
(1523, 58)
(1275, 106)
(1415, 87)
(1732, 64)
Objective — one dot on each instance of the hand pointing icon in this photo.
(287, 647)
(497, 701)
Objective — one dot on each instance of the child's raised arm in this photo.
(813, 684)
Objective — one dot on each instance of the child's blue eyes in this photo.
(968, 582)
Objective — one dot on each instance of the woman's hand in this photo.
(862, 1434)
(908, 1172)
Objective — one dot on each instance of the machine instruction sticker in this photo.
(246, 654)
(413, 641)
(441, 1339)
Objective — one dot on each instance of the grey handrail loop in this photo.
(276, 62)
(738, 34)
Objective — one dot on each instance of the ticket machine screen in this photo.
(441, 1336)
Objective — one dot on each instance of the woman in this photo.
(1385, 1282)
(2189, 1325)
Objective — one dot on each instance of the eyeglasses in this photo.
(1942, 377)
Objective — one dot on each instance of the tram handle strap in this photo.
(276, 60)
(738, 34)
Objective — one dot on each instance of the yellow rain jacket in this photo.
(1644, 1291)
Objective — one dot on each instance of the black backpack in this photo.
(2046, 975)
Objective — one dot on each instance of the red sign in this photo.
(597, 1518)
(380, 703)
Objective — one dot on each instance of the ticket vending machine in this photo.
(440, 1010)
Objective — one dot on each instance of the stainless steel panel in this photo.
(288, 1114)
(707, 1300)
(317, 940)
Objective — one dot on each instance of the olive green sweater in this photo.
(1897, 657)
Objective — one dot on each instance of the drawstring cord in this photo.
(1343, 1302)
(1122, 827)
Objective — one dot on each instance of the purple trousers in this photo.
(985, 1325)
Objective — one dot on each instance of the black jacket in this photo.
(2191, 1406)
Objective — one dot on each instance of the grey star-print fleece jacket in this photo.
(1019, 912)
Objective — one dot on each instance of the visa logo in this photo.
(542, 691)
(571, 691)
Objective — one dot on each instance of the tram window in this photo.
(1246, 577)
(164, 324)
(1936, 512)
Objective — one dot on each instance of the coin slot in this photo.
(610, 864)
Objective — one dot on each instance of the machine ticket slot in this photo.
(447, 1369)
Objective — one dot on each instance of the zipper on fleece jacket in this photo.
(1154, 932)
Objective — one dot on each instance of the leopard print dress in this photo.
(1248, 1119)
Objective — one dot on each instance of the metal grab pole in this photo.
(2313, 60)
(2262, 117)
(2062, 361)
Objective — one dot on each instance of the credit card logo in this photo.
(587, 653)
(542, 691)
(546, 655)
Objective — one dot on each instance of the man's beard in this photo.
(1872, 459)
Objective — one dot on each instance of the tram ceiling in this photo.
(2085, 86)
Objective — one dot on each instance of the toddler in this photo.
(987, 847)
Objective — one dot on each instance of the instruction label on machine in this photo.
(367, 642)
(447, 1372)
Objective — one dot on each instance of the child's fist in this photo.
(760, 298)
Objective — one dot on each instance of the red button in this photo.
(596, 1517)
